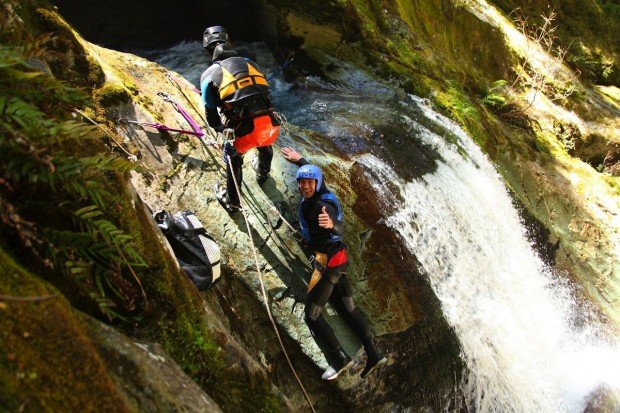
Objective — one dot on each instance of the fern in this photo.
(46, 158)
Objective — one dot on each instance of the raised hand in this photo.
(324, 220)
(290, 154)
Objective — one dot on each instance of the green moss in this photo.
(71, 62)
(47, 361)
(455, 102)
(614, 183)
(95, 76)
(111, 94)
(53, 21)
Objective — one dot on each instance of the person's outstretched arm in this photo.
(293, 156)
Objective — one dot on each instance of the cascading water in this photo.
(528, 346)
(513, 318)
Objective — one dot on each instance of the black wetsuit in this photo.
(333, 284)
(237, 111)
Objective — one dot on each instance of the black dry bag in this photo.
(196, 251)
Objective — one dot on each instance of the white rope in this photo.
(131, 156)
(272, 208)
(264, 292)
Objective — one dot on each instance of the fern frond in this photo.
(42, 157)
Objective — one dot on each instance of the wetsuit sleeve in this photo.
(302, 161)
(214, 120)
(338, 228)
(210, 103)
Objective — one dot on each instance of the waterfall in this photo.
(513, 317)
(527, 344)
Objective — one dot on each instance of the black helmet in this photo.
(214, 35)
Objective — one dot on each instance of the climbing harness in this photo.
(264, 293)
(319, 263)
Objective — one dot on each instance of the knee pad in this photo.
(313, 312)
(348, 304)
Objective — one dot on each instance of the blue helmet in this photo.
(311, 172)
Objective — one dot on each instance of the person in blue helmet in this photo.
(235, 94)
(322, 226)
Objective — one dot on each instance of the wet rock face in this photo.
(602, 400)
(596, 151)
(390, 271)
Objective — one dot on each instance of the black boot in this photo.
(375, 359)
(262, 163)
(339, 361)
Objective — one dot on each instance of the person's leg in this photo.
(263, 163)
(315, 302)
(336, 357)
(359, 325)
(234, 164)
(355, 318)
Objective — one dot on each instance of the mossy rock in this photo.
(111, 94)
(71, 62)
(47, 360)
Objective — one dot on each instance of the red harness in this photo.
(338, 258)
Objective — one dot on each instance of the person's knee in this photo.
(312, 313)
(349, 304)
(266, 150)
(231, 152)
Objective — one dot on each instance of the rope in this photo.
(131, 156)
(178, 86)
(264, 292)
(272, 208)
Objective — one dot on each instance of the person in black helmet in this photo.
(236, 98)
(322, 227)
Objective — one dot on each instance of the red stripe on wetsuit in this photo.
(338, 258)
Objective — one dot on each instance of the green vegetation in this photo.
(111, 94)
(588, 29)
(50, 159)
(68, 213)
(456, 103)
(495, 96)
